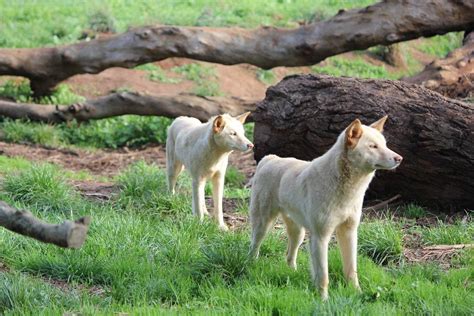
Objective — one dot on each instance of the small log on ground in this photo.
(303, 115)
(452, 76)
(68, 234)
(122, 103)
(383, 23)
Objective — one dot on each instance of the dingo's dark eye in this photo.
(373, 146)
(233, 133)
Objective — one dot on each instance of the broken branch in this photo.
(68, 234)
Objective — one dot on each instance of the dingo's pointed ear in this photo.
(218, 124)
(353, 133)
(379, 124)
(243, 117)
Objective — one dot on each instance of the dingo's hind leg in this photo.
(173, 165)
(262, 219)
(295, 239)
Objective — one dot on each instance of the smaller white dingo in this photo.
(203, 149)
(322, 196)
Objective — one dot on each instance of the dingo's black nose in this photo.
(398, 158)
(249, 146)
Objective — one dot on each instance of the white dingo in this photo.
(203, 149)
(322, 196)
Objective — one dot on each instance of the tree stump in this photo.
(303, 115)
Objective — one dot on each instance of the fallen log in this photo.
(68, 234)
(452, 76)
(302, 116)
(121, 103)
(383, 23)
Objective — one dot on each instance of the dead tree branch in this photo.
(384, 23)
(452, 76)
(122, 103)
(68, 234)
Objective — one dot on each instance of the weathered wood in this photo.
(302, 116)
(452, 76)
(122, 103)
(383, 23)
(394, 56)
(68, 234)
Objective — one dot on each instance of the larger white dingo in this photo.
(203, 149)
(322, 196)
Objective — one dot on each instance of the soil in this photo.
(107, 163)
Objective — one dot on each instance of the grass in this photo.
(149, 255)
(21, 92)
(414, 211)
(440, 45)
(444, 234)
(145, 250)
(42, 185)
(338, 66)
(266, 76)
(203, 76)
(156, 73)
(381, 241)
(120, 15)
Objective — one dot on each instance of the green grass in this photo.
(382, 241)
(149, 255)
(127, 130)
(156, 73)
(64, 21)
(266, 76)
(41, 185)
(358, 67)
(444, 234)
(414, 211)
(8, 165)
(21, 92)
(23, 131)
(203, 76)
(234, 178)
(440, 45)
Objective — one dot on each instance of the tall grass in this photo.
(41, 185)
(152, 257)
(382, 241)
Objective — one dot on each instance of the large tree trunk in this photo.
(68, 234)
(122, 103)
(302, 116)
(384, 23)
(452, 76)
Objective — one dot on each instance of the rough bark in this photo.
(383, 23)
(302, 116)
(452, 76)
(122, 103)
(68, 234)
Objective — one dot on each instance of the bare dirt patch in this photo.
(107, 162)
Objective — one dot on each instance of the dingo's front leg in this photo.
(319, 260)
(217, 194)
(199, 203)
(347, 238)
